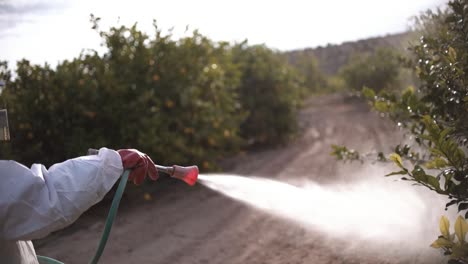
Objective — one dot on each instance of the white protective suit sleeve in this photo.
(35, 202)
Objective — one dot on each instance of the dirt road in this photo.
(197, 225)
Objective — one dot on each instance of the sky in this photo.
(54, 30)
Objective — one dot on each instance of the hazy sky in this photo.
(54, 30)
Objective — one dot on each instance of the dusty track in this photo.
(196, 225)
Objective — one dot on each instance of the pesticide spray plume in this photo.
(374, 209)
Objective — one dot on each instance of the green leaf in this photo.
(444, 225)
(442, 242)
(381, 106)
(445, 132)
(452, 54)
(368, 93)
(432, 128)
(459, 251)
(460, 154)
(461, 228)
(419, 174)
(436, 152)
(434, 182)
(396, 159)
(436, 163)
(403, 172)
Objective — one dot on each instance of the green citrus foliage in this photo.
(182, 101)
(378, 70)
(314, 81)
(436, 115)
(345, 154)
(454, 245)
(270, 92)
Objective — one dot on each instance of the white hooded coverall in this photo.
(35, 202)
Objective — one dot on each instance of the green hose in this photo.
(107, 227)
(46, 260)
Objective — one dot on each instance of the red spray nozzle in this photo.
(187, 174)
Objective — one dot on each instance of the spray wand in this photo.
(187, 174)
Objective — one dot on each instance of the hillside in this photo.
(332, 57)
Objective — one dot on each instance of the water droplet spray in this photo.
(374, 209)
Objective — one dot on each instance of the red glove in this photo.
(140, 165)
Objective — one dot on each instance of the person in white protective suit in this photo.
(37, 201)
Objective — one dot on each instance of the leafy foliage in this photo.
(378, 70)
(307, 66)
(345, 154)
(180, 101)
(270, 92)
(454, 245)
(436, 115)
